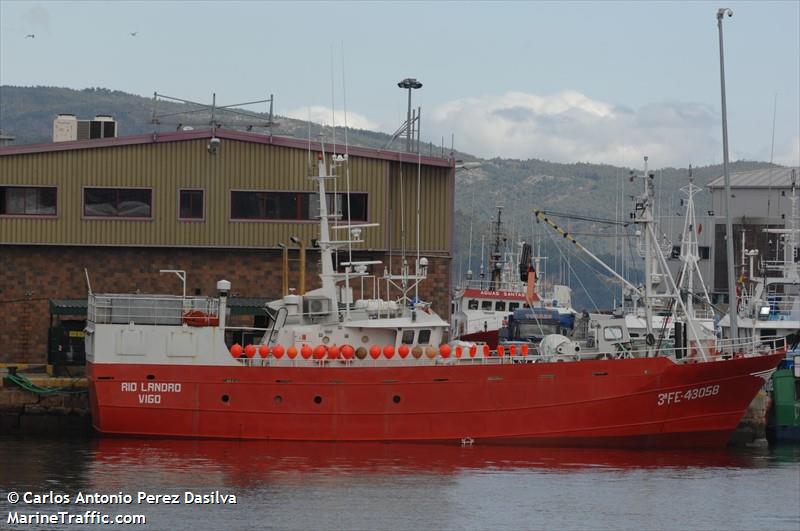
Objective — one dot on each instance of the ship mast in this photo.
(497, 255)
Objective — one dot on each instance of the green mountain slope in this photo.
(520, 186)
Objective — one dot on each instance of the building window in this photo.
(293, 206)
(191, 204)
(27, 201)
(117, 202)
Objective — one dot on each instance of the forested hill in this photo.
(592, 190)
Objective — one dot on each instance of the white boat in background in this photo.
(482, 307)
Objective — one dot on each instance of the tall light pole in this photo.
(409, 83)
(728, 223)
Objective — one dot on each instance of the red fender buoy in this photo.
(444, 350)
(388, 351)
(403, 351)
(375, 352)
(305, 351)
(236, 350)
(347, 352)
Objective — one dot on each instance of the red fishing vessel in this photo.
(327, 369)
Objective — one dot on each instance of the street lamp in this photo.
(409, 83)
(297, 241)
(728, 224)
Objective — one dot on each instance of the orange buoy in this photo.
(388, 351)
(291, 351)
(277, 351)
(250, 351)
(524, 349)
(459, 351)
(236, 350)
(347, 352)
(263, 351)
(333, 352)
(416, 352)
(444, 350)
(501, 351)
(403, 351)
(305, 351)
(486, 351)
(512, 351)
(430, 352)
(375, 352)
(473, 349)
(320, 351)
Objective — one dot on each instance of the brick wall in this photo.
(31, 275)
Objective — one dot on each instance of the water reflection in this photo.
(243, 461)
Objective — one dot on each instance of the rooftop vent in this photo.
(67, 127)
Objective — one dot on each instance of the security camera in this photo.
(213, 145)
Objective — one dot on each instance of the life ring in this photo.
(199, 318)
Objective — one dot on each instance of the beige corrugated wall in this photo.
(169, 166)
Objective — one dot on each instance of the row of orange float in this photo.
(347, 352)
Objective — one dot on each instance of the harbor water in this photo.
(392, 486)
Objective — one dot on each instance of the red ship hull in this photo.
(644, 403)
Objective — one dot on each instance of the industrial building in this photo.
(760, 199)
(113, 211)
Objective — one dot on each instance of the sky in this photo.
(601, 82)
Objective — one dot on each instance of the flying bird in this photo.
(30, 36)
(133, 33)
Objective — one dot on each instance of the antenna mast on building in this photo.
(214, 115)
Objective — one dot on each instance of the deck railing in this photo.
(150, 309)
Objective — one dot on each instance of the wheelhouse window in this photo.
(424, 337)
(294, 206)
(512, 306)
(27, 201)
(118, 202)
(500, 306)
(408, 337)
(486, 305)
(191, 204)
(472, 304)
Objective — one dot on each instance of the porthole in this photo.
(317, 399)
(151, 376)
(396, 399)
(225, 398)
(278, 399)
(364, 339)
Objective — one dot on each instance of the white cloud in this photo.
(322, 115)
(569, 127)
